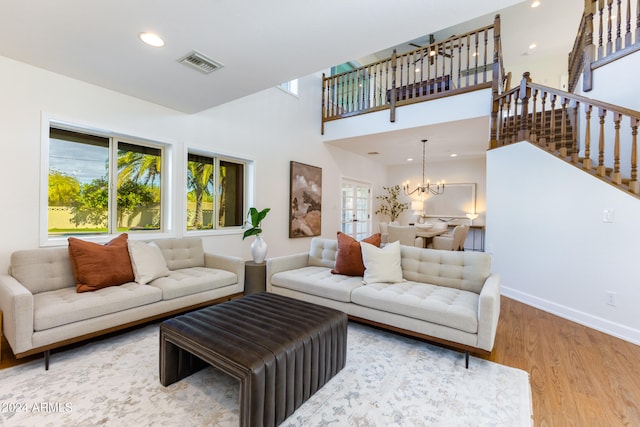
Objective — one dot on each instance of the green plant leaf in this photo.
(251, 232)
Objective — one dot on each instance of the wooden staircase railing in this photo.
(595, 136)
(459, 64)
(608, 30)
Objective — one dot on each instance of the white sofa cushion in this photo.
(445, 306)
(63, 306)
(322, 252)
(43, 269)
(184, 252)
(381, 264)
(318, 281)
(188, 281)
(147, 261)
(464, 270)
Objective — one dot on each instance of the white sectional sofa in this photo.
(43, 310)
(447, 297)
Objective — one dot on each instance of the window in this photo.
(208, 209)
(290, 86)
(100, 184)
(356, 209)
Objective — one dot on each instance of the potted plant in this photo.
(259, 246)
(390, 205)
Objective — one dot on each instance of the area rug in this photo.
(389, 380)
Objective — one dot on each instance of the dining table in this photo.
(428, 234)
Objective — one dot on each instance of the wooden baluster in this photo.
(609, 29)
(468, 61)
(484, 63)
(525, 94)
(600, 29)
(451, 56)
(475, 56)
(542, 140)
(533, 135)
(600, 169)
(507, 121)
(587, 138)
(552, 125)
(392, 107)
(618, 27)
(616, 177)
(357, 89)
(575, 145)
(460, 61)
(634, 186)
(563, 127)
(627, 34)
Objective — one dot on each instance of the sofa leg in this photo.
(47, 353)
(466, 359)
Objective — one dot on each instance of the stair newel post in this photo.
(496, 104)
(616, 177)
(634, 186)
(392, 101)
(600, 169)
(575, 144)
(587, 138)
(322, 109)
(524, 95)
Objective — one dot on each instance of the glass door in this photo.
(356, 209)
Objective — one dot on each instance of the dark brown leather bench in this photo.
(281, 350)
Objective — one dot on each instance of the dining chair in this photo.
(405, 234)
(453, 241)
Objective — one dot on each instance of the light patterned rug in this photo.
(389, 380)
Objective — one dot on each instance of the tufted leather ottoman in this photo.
(281, 350)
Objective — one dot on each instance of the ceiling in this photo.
(260, 43)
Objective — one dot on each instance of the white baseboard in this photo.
(603, 325)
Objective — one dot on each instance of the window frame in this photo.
(249, 186)
(166, 222)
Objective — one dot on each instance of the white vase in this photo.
(258, 250)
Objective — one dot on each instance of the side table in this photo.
(255, 277)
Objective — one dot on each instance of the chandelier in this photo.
(426, 187)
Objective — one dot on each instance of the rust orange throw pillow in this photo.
(349, 256)
(98, 266)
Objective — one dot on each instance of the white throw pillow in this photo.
(382, 265)
(147, 261)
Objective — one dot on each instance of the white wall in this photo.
(549, 243)
(271, 127)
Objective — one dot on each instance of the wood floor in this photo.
(579, 376)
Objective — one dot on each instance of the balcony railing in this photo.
(608, 30)
(459, 64)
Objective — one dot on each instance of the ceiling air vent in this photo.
(200, 62)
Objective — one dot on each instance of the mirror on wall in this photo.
(457, 201)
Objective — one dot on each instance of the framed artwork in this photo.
(305, 200)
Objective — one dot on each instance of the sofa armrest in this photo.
(488, 312)
(228, 263)
(285, 263)
(16, 303)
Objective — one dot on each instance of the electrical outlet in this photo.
(611, 298)
(607, 215)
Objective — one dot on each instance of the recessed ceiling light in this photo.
(535, 3)
(151, 39)
(409, 159)
(533, 46)
(453, 155)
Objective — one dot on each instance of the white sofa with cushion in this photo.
(44, 307)
(447, 297)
